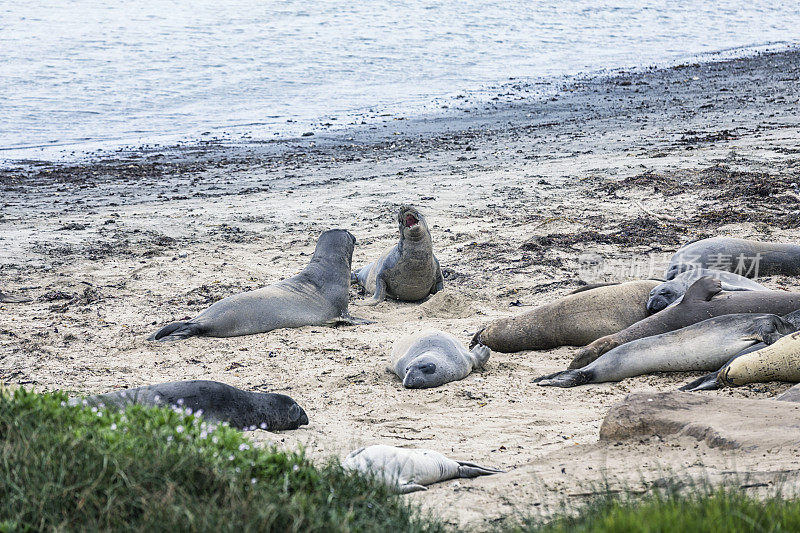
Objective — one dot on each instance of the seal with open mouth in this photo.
(408, 270)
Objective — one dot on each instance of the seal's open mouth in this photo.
(411, 220)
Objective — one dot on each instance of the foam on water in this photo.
(82, 73)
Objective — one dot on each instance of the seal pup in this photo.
(703, 300)
(575, 320)
(408, 270)
(409, 470)
(317, 296)
(214, 401)
(671, 291)
(777, 362)
(702, 346)
(432, 358)
(743, 256)
(10, 299)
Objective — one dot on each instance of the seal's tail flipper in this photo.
(707, 382)
(177, 331)
(567, 378)
(348, 321)
(481, 354)
(470, 470)
(548, 376)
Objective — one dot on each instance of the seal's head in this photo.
(335, 243)
(679, 268)
(662, 296)
(278, 411)
(422, 373)
(412, 224)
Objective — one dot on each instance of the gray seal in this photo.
(671, 291)
(432, 358)
(743, 256)
(408, 270)
(214, 401)
(317, 296)
(702, 346)
(409, 470)
(10, 299)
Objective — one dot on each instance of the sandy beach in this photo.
(629, 166)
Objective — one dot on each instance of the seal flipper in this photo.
(476, 339)
(470, 470)
(703, 289)
(177, 331)
(481, 354)
(410, 487)
(438, 283)
(548, 376)
(378, 297)
(707, 382)
(568, 378)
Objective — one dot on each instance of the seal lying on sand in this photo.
(317, 296)
(575, 320)
(709, 381)
(778, 362)
(702, 346)
(408, 270)
(432, 358)
(409, 470)
(214, 401)
(9, 299)
(703, 300)
(748, 258)
(671, 291)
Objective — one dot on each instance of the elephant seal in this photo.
(10, 299)
(671, 291)
(409, 470)
(777, 362)
(432, 358)
(743, 256)
(791, 395)
(214, 401)
(575, 320)
(709, 381)
(703, 300)
(317, 296)
(702, 346)
(408, 270)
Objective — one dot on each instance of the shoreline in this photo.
(485, 105)
(109, 251)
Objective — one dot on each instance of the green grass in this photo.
(703, 510)
(76, 468)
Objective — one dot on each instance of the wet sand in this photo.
(628, 166)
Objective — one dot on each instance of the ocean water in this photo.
(76, 74)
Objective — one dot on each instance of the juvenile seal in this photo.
(10, 299)
(575, 320)
(777, 362)
(409, 470)
(432, 358)
(703, 300)
(671, 291)
(317, 296)
(743, 256)
(214, 401)
(702, 346)
(408, 270)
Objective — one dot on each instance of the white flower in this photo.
(94, 409)
(169, 438)
(180, 401)
(243, 447)
(214, 439)
(63, 404)
(253, 480)
(263, 425)
(113, 427)
(230, 457)
(295, 468)
(179, 429)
